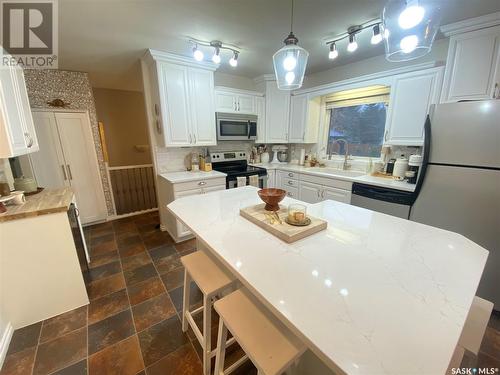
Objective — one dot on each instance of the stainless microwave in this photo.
(236, 127)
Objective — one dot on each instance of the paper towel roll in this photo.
(302, 156)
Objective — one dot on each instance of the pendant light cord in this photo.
(291, 21)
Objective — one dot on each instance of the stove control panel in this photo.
(228, 156)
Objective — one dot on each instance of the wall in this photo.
(74, 88)
(237, 82)
(373, 65)
(125, 125)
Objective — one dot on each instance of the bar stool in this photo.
(212, 280)
(271, 347)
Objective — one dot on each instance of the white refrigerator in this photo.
(461, 185)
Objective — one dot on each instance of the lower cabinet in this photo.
(172, 191)
(312, 192)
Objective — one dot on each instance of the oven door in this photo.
(232, 127)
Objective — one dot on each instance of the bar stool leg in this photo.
(221, 349)
(185, 302)
(207, 336)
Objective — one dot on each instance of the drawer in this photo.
(288, 175)
(288, 182)
(292, 192)
(327, 181)
(191, 185)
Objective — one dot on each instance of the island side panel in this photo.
(40, 272)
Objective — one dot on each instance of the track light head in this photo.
(333, 54)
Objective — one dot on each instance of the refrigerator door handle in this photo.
(425, 158)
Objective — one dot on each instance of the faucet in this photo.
(346, 164)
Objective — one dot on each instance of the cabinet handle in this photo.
(190, 138)
(385, 136)
(290, 183)
(194, 138)
(64, 172)
(322, 194)
(156, 109)
(290, 174)
(70, 175)
(304, 135)
(158, 126)
(235, 105)
(238, 105)
(289, 194)
(495, 94)
(202, 183)
(30, 140)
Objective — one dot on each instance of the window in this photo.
(357, 117)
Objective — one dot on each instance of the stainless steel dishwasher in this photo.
(384, 200)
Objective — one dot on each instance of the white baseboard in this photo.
(5, 341)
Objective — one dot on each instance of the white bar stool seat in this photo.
(212, 280)
(271, 347)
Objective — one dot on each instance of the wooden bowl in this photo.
(272, 197)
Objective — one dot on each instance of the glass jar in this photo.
(297, 213)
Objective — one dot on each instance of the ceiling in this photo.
(107, 37)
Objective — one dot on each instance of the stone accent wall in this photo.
(73, 87)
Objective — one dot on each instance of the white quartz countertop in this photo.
(353, 176)
(371, 294)
(184, 176)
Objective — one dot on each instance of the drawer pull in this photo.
(290, 174)
(202, 183)
(290, 182)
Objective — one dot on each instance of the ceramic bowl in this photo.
(272, 197)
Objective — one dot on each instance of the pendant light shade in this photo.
(290, 63)
(410, 27)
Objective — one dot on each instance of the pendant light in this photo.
(410, 27)
(290, 62)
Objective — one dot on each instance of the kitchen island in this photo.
(371, 294)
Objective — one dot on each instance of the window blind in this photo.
(365, 95)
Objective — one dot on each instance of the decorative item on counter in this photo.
(195, 166)
(272, 197)
(411, 177)
(389, 168)
(414, 164)
(297, 215)
(307, 161)
(264, 157)
(25, 184)
(400, 167)
(302, 156)
(280, 154)
(58, 103)
(19, 197)
(377, 168)
(205, 161)
(313, 161)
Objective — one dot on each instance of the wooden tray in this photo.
(286, 232)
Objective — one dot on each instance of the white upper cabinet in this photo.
(277, 113)
(411, 97)
(235, 101)
(180, 98)
(17, 132)
(260, 111)
(304, 119)
(473, 66)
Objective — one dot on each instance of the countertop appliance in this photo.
(236, 127)
(280, 154)
(234, 164)
(459, 181)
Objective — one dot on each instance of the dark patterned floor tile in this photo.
(106, 306)
(61, 352)
(24, 338)
(165, 258)
(161, 339)
(183, 361)
(105, 258)
(100, 288)
(487, 361)
(186, 246)
(103, 248)
(495, 320)
(173, 279)
(139, 274)
(129, 250)
(491, 343)
(145, 290)
(176, 295)
(79, 368)
(64, 323)
(152, 311)
(101, 229)
(146, 228)
(19, 363)
(135, 261)
(110, 330)
(105, 237)
(123, 358)
(106, 270)
(124, 226)
(128, 239)
(157, 239)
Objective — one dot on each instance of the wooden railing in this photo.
(133, 188)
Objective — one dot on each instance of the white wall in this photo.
(373, 65)
(237, 82)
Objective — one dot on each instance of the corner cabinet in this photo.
(473, 66)
(412, 94)
(180, 99)
(17, 132)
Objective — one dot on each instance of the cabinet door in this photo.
(472, 66)
(225, 102)
(201, 94)
(174, 98)
(339, 195)
(246, 104)
(81, 164)
(292, 192)
(260, 110)
(298, 118)
(309, 193)
(411, 96)
(48, 164)
(182, 230)
(277, 114)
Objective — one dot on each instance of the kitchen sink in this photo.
(336, 171)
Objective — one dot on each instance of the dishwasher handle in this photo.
(383, 194)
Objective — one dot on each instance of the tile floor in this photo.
(132, 324)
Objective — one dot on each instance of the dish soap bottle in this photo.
(195, 162)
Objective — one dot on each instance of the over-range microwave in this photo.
(236, 127)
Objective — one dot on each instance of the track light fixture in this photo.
(353, 45)
(216, 47)
(377, 35)
(333, 51)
